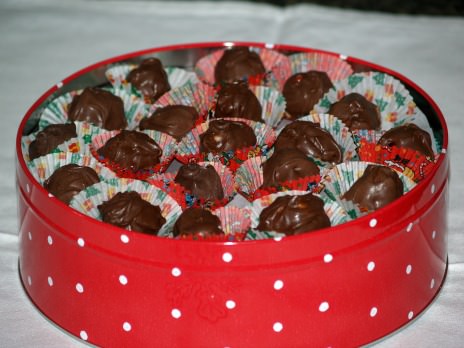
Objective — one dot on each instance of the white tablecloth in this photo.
(43, 42)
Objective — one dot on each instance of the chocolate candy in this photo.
(69, 180)
(237, 100)
(377, 187)
(202, 182)
(303, 90)
(98, 107)
(50, 137)
(150, 79)
(129, 210)
(132, 150)
(237, 64)
(310, 139)
(409, 136)
(226, 135)
(356, 112)
(286, 165)
(197, 222)
(294, 215)
(175, 120)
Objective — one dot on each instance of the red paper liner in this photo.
(309, 184)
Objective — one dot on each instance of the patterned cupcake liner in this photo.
(165, 181)
(338, 180)
(165, 142)
(56, 112)
(80, 144)
(334, 211)
(389, 94)
(88, 200)
(249, 179)
(274, 62)
(43, 167)
(188, 149)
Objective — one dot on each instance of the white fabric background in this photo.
(43, 42)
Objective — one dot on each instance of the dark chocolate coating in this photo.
(69, 180)
(202, 182)
(377, 187)
(311, 139)
(409, 136)
(294, 215)
(303, 90)
(175, 120)
(132, 150)
(237, 100)
(98, 107)
(286, 165)
(197, 222)
(129, 210)
(237, 64)
(226, 135)
(150, 78)
(50, 137)
(356, 112)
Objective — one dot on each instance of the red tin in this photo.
(343, 286)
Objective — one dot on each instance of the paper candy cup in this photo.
(389, 94)
(188, 149)
(87, 201)
(165, 141)
(333, 210)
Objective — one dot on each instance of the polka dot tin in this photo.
(347, 285)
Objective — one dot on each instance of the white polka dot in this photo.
(324, 307)
(434, 234)
(81, 242)
(408, 269)
(126, 326)
(124, 238)
(29, 234)
(227, 257)
(278, 285)
(84, 335)
(443, 150)
(373, 312)
(373, 223)
(50, 281)
(409, 228)
(123, 279)
(50, 240)
(176, 272)
(50, 195)
(371, 266)
(79, 288)
(29, 280)
(432, 189)
(230, 304)
(176, 314)
(410, 315)
(343, 56)
(269, 46)
(328, 258)
(277, 327)
(278, 238)
(432, 283)
(28, 189)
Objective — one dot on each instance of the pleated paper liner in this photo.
(185, 198)
(80, 144)
(249, 179)
(334, 211)
(389, 94)
(274, 63)
(56, 112)
(88, 200)
(188, 149)
(339, 179)
(409, 162)
(165, 141)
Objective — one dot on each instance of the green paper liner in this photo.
(87, 201)
(389, 94)
(338, 180)
(334, 211)
(188, 149)
(165, 141)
